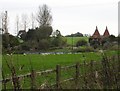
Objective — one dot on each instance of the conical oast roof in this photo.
(106, 33)
(96, 33)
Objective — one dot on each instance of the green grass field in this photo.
(75, 39)
(43, 62)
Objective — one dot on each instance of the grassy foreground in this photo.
(43, 62)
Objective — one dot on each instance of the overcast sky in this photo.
(69, 16)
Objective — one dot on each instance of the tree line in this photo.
(41, 37)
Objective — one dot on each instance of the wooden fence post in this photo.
(58, 74)
(33, 75)
(106, 73)
(115, 79)
(91, 73)
(15, 80)
(4, 82)
(77, 74)
(85, 76)
(115, 72)
(118, 75)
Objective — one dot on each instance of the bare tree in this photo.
(3, 22)
(0, 23)
(33, 20)
(6, 22)
(44, 16)
(24, 21)
(17, 24)
(4, 17)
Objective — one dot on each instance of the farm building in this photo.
(96, 37)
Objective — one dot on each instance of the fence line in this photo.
(93, 73)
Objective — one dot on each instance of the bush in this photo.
(25, 47)
(44, 44)
(106, 45)
(94, 43)
(114, 47)
(81, 43)
(84, 49)
(59, 41)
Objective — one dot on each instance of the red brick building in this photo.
(97, 37)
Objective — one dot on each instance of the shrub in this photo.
(44, 44)
(81, 43)
(114, 47)
(106, 45)
(95, 44)
(25, 47)
(59, 41)
(84, 49)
